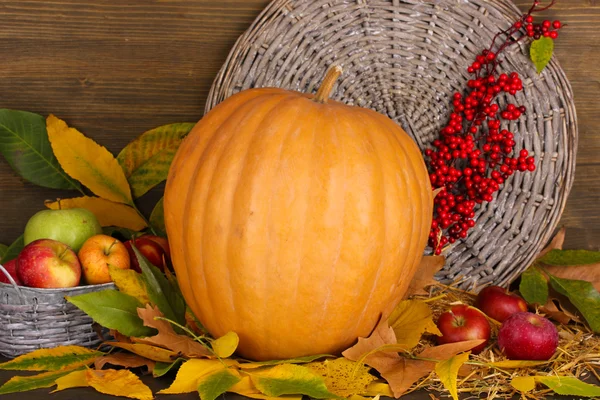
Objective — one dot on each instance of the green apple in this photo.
(71, 226)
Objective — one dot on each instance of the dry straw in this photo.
(32, 318)
(405, 59)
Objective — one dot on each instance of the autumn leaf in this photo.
(556, 243)
(246, 388)
(560, 311)
(162, 368)
(514, 364)
(31, 382)
(161, 292)
(380, 388)
(146, 160)
(583, 296)
(523, 383)
(88, 162)
(167, 337)
(54, 359)
(25, 146)
(191, 372)
(118, 383)
(409, 320)
(342, 376)
(297, 360)
(534, 286)
(114, 310)
(212, 386)
(147, 351)
(569, 386)
(447, 371)
(72, 380)
(226, 345)
(290, 379)
(429, 266)
(130, 283)
(126, 360)
(157, 216)
(107, 212)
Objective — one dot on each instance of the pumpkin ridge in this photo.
(248, 108)
(418, 191)
(323, 318)
(369, 136)
(187, 147)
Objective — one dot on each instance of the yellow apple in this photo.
(97, 253)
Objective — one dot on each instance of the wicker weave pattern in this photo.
(405, 58)
(32, 318)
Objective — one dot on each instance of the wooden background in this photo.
(115, 69)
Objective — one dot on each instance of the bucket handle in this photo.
(14, 284)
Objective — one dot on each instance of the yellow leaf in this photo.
(447, 371)
(107, 212)
(246, 388)
(225, 345)
(342, 376)
(191, 372)
(146, 350)
(121, 382)
(429, 266)
(409, 320)
(510, 364)
(523, 383)
(54, 359)
(72, 380)
(129, 282)
(378, 388)
(88, 162)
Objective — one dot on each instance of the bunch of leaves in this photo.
(49, 153)
(565, 284)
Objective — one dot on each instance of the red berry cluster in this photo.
(473, 156)
(546, 29)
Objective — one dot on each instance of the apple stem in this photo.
(59, 205)
(67, 248)
(107, 251)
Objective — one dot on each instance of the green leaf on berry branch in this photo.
(541, 52)
(25, 145)
(583, 296)
(534, 286)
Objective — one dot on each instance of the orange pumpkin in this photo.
(295, 221)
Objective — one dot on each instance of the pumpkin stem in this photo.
(331, 77)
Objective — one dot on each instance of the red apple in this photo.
(48, 263)
(11, 268)
(149, 249)
(498, 303)
(163, 242)
(97, 253)
(528, 336)
(463, 323)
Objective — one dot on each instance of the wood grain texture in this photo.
(116, 69)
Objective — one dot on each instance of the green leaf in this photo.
(569, 386)
(534, 286)
(3, 250)
(160, 291)
(113, 310)
(157, 218)
(162, 368)
(583, 295)
(212, 386)
(31, 382)
(290, 379)
(447, 371)
(25, 145)
(13, 250)
(146, 160)
(123, 234)
(571, 257)
(53, 359)
(541, 52)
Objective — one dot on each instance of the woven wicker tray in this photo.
(405, 59)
